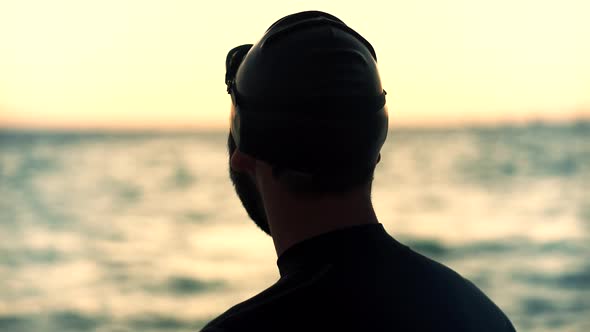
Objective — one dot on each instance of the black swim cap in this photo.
(307, 96)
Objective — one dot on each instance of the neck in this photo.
(293, 219)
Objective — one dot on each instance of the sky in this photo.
(160, 64)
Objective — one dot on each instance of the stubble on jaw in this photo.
(247, 192)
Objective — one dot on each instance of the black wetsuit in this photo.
(361, 279)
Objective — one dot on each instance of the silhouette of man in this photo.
(308, 122)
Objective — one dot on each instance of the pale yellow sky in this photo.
(145, 64)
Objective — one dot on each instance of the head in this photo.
(307, 102)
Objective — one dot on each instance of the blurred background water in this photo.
(142, 231)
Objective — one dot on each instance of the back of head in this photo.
(307, 99)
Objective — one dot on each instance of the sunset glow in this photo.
(160, 64)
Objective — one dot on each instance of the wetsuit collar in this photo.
(347, 243)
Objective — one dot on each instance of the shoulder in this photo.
(436, 290)
(213, 329)
(269, 309)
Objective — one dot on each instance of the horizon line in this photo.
(584, 120)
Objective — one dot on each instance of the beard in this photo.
(247, 192)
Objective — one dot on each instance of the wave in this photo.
(76, 321)
(184, 286)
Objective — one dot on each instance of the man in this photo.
(308, 122)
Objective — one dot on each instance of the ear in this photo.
(243, 163)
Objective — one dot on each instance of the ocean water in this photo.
(142, 231)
